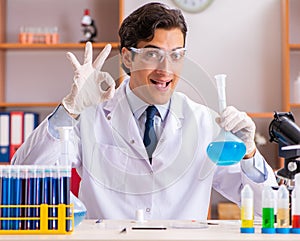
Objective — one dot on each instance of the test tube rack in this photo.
(12, 224)
(35, 200)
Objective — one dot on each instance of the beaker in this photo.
(226, 149)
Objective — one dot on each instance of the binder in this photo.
(16, 131)
(31, 120)
(75, 182)
(4, 136)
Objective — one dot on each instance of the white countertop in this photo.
(215, 230)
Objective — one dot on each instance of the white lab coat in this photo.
(117, 179)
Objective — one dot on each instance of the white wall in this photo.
(241, 38)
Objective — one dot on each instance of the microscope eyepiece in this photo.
(284, 129)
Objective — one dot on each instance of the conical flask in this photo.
(226, 149)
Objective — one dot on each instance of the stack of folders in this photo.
(15, 128)
(25, 188)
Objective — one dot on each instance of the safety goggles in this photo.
(155, 56)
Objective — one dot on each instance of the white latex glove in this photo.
(240, 124)
(90, 86)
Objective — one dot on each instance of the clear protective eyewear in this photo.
(155, 56)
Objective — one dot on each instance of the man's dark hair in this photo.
(141, 24)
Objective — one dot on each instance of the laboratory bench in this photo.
(213, 230)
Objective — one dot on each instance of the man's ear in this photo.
(126, 58)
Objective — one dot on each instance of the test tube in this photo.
(64, 136)
(247, 210)
(65, 171)
(296, 205)
(283, 213)
(40, 176)
(48, 194)
(65, 183)
(22, 35)
(54, 35)
(24, 200)
(32, 197)
(1, 189)
(221, 82)
(268, 202)
(1, 195)
(16, 186)
(6, 197)
(55, 194)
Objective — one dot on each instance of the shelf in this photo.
(295, 105)
(261, 115)
(115, 45)
(28, 104)
(294, 47)
(54, 104)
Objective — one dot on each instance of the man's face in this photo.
(155, 81)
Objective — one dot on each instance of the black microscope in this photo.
(89, 27)
(286, 133)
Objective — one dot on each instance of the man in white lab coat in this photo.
(119, 173)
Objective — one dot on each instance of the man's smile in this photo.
(160, 83)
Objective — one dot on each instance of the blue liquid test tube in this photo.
(65, 163)
(55, 194)
(40, 176)
(32, 197)
(16, 193)
(1, 187)
(268, 202)
(65, 182)
(48, 194)
(6, 197)
(24, 198)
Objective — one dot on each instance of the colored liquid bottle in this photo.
(268, 202)
(296, 206)
(247, 210)
(283, 212)
(226, 149)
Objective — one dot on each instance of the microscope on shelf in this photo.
(89, 27)
(284, 131)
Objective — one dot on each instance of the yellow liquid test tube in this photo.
(283, 212)
(247, 210)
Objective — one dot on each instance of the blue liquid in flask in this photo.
(225, 153)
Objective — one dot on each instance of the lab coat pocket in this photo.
(115, 169)
(108, 165)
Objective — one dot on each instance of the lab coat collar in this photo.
(124, 122)
(175, 104)
(138, 106)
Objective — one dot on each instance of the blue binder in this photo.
(4, 136)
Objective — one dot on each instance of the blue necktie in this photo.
(150, 139)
